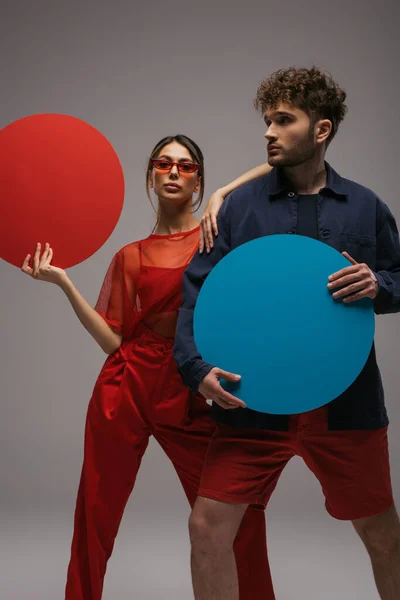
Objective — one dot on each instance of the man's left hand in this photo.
(358, 281)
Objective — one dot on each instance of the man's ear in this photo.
(323, 129)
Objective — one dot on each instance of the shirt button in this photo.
(290, 194)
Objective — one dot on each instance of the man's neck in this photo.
(307, 178)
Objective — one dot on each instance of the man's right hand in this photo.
(211, 389)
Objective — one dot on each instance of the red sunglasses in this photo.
(166, 165)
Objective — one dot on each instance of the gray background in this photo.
(138, 73)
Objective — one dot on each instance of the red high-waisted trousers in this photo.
(139, 393)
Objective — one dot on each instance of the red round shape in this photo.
(60, 182)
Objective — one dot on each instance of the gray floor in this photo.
(310, 559)
(313, 557)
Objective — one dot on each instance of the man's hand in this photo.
(359, 281)
(211, 389)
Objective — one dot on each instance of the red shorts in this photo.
(243, 465)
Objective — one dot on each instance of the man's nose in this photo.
(270, 135)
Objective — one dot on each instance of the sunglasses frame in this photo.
(154, 162)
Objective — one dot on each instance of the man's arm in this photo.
(388, 262)
(190, 364)
(382, 285)
(196, 373)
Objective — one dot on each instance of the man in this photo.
(344, 443)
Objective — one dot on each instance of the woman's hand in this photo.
(42, 269)
(208, 223)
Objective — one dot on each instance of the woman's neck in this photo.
(178, 223)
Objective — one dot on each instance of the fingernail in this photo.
(330, 285)
(330, 277)
(238, 377)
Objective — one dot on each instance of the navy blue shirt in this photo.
(348, 217)
(307, 221)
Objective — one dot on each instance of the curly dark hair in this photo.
(312, 90)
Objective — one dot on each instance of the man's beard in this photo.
(297, 156)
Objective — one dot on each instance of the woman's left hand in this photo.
(208, 223)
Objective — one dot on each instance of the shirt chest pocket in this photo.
(360, 247)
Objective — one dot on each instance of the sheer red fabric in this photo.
(144, 283)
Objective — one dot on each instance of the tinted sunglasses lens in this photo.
(188, 167)
(162, 165)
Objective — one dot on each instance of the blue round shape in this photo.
(265, 312)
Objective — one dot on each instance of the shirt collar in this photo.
(334, 183)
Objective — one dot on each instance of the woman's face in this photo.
(170, 185)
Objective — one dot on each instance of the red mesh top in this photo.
(144, 283)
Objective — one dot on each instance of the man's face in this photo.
(290, 136)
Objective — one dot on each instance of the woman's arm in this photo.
(41, 269)
(209, 219)
(108, 340)
(254, 173)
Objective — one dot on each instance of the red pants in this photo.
(139, 393)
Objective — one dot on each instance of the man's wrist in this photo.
(376, 284)
(200, 375)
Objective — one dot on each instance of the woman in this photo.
(139, 391)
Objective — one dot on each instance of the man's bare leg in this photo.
(213, 527)
(381, 537)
